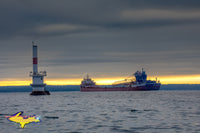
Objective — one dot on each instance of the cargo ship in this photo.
(139, 83)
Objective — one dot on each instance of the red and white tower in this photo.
(38, 77)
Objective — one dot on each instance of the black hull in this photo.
(36, 93)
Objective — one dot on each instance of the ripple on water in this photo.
(51, 117)
(144, 110)
(112, 112)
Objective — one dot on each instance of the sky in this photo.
(107, 39)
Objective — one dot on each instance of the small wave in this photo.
(4, 114)
(60, 110)
(134, 110)
(51, 117)
(44, 111)
(149, 110)
(144, 110)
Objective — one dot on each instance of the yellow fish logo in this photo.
(23, 120)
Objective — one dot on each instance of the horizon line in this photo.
(180, 79)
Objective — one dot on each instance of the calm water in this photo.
(108, 112)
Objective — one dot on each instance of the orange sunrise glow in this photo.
(181, 79)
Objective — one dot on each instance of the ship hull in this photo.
(134, 88)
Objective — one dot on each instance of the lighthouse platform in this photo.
(38, 85)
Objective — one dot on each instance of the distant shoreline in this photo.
(56, 88)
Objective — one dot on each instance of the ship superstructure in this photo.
(88, 82)
(139, 83)
(38, 85)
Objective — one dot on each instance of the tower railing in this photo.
(41, 73)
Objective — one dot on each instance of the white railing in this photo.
(41, 73)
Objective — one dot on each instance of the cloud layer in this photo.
(108, 37)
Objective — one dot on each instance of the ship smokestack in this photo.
(38, 86)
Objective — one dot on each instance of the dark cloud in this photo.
(49, 18)
(100, 36)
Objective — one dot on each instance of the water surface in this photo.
(109, 112)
